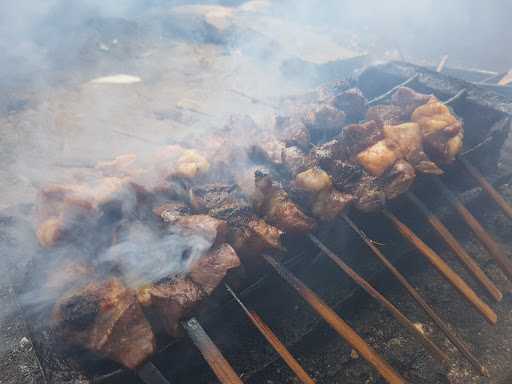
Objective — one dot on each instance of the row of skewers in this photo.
(310, 167)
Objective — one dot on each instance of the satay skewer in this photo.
(457, 248)
(485, 238)
(450, 275)
(398, 315)
(451, 335)
(335, 321)
(213, 356)
(273, 340)
(487, 187)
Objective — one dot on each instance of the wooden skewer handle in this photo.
(339, 325)
(219, 365)
(451, 276)
(457, 248)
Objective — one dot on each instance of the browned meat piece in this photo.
(353, 103)
(442, 131)
(292, 131)
(252, 236)
(313, 180)
(106, 319)
(248, 234)
(295, 160)
(267, 151)
(378, 158)
(277, 208)
(358, 137)
(171, 300)
(330, 203)
(170, 212)
(369, 195)
(209, 270)
(324, 121)
(386, 114)
(408, 100)
(213, 230)
(398, 179)
(409, 139)
(64, 210)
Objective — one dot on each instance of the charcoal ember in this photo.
(358, 137)
(324, 121)
(210, 269)
(353, 103)
(408, 100)
(386, 114)
(295, 160)
(171, 300)
(398, 179)
(292, 131)
(105, 318)
(276, 207)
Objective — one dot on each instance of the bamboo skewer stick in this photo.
(219, 365)
(488, 187)
(459, 344)
(341, 327)
(485, 238)
(273, 340)
(402, 319)
(459, 251)
(442, 63)
(453, 278)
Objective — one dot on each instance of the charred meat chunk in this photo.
(105, 318)
(324, 121)
(358, 137)
(398, 179)
(274, 204)
(292, 131)
(368, 194)
(295, 160)
(330, 203)
(248, 234)
(442, 131)
(408, 100)
(409, 139)
(353, 103)
(210, 269)
(171, 300)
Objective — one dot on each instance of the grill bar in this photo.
(457, 248)
(150, 374)
(341, 327)
(358, 279)
(487, 187)
(485, 238)
(451, 335)
(213, 356)
(273, 340)
(451, 276)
